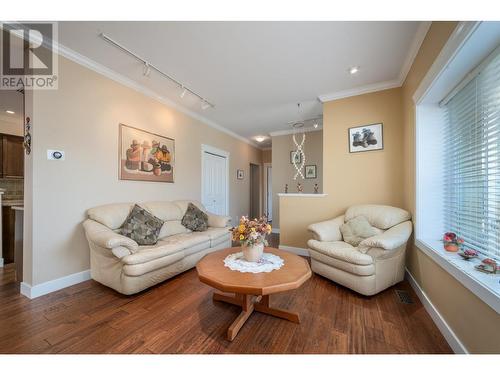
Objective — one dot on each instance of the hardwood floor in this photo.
(178, 316)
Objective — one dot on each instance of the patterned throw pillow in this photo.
(142, 226)
(356, 230)
(195, 219)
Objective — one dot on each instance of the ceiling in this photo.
(254, 72)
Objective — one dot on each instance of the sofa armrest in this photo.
(391, 239)
(218, 221)
(328, 230)
(102, 236)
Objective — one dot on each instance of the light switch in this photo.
(55, 155)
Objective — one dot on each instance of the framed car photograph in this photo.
(366, 138)
(240, 174)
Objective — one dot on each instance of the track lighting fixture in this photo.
(148, 67)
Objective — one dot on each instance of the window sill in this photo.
(485, 286)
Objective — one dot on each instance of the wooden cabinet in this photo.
(8, 238)
(12, 156)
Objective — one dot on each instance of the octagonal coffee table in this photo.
(252, 290)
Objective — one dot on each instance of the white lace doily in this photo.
(267, 263)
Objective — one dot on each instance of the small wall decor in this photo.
(366, 138)
(240, 174)
(145, 156)
(286, 188)
(310, 171)
(295, 157)
(27, 136)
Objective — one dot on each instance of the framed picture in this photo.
(295, 155)
(240, 174)
(310, 171)
(145, 156)
(366, 138)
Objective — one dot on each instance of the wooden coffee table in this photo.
(252, 290)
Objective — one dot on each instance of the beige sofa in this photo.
(119, 263)
(377, 263)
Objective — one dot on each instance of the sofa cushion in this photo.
(142, 226)
(171, 228)
(217, 235)
(110, 215)
(382, 217)
(186, 240)
(164, 210)
(195, 219)
(356, 230)
(183, 205)
(148, 253)
(341, 250)
(218, 221)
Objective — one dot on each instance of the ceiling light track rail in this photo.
(148, 67)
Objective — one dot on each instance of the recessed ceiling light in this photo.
(354, 69)
(260, 138)
(10, 112)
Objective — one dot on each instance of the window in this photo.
(471, 204)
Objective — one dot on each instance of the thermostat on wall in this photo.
(55, 155)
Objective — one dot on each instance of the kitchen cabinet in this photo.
(12, 156)
(8, 233)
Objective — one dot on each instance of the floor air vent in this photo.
(404, 297)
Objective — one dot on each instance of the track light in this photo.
(315, 125)
(204, 104)
(183, 93)
(353, 69)
(10, 112)
(146, 71)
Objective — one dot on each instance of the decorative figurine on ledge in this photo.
(316, 189)
(488, 265)
(299, 188)
(286, 188)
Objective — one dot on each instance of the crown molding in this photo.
(374, 87)
(291, 131)
(417, 41)
(82, 60)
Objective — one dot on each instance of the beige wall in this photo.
(267, 156)
(283, 170)
(82, 118)
(368, 177)
(474, 322)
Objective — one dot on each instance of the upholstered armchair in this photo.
(376, 263)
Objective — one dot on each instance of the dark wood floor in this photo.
(178, 316)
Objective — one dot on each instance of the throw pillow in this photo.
(356, 230)
(142, 226)
(195, 219)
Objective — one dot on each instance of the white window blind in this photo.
(471, 145)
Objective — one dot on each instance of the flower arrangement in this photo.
(251, 232)
(452, 242)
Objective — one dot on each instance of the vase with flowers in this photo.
(452, 242)
(251, 234)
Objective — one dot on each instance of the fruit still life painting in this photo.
(145, 156)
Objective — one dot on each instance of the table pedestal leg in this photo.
(248, 306)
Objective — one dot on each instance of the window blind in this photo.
(471, 143)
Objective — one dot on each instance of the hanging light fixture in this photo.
(299, 164)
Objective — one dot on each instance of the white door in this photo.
(214, 182)
(269, 193)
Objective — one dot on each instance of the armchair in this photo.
(376, 263)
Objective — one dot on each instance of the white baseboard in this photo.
(452, 339)
(1, 262)
(53, 285)
(295, 250)
(275, 230)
